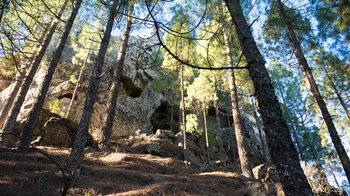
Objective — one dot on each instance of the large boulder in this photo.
(58, 132)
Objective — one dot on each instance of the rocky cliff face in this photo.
(137, 100)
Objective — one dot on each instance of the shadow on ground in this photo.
(113, 174)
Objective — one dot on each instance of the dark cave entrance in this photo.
(160, 119)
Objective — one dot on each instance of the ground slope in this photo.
(115, 174)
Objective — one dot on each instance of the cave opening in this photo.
(67, 95)
(160, 118)
(130, 88)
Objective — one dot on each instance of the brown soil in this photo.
(114, 174)
(127, 172)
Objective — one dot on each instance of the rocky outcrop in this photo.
(137, 100)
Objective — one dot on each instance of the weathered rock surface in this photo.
(268, 176)
(137, 100)
(59, 132)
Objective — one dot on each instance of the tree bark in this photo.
(344, 158)
(77, 154)
(241, 141)
(16, 106)
(292, 125)
(283, 153)
(113, 95)
(78, 82)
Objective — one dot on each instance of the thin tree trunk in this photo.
(232, 139)
(335, 178)
(241, 141)
(20, 77)
(283, 153)
(292, 125)
(35, 111)
(219, 132)
(206, 133)
(344, 158)
(78, 81)
(183, 115)
(262, 139)
(77, 154)
(113, 95)
(171, 117)
(340, 98)
(16, 106)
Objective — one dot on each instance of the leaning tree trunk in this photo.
(20, 76)
(78, 81)
(283, 153)
(76, 157)
(16, 107)
(183, 115)
(241, 141)
(292, 126)
(35, 111)
(113, 96)
(340, 98)
(344, 158)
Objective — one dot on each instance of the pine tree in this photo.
(76, 157)
(16, 106)
(35, 111)
(113, 95)
(283, 153)
(315, 91)
(240, 139)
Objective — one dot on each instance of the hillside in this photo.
(116, 173)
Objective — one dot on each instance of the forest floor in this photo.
(117, 173)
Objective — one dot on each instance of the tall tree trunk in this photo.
(219, 133)
(20, 76)
(340, 98)
(344, 158)
(232, 140)
(283, 153)
(16, 107)
(241, 141)
(113, 92)
(292, 125)
(78, 81)
(76, 157)
(206, 133)
(183, 115)
(35, 111)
